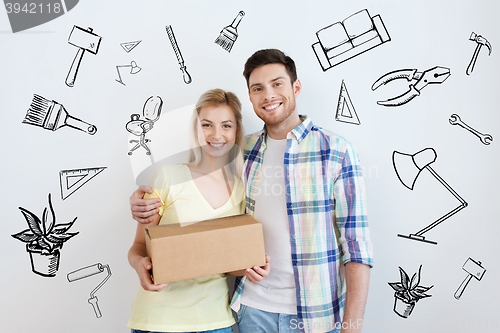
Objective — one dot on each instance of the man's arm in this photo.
(357, 280)
(143, 210)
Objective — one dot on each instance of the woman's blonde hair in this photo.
(216, 98)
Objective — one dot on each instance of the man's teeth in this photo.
(272, 106)
(217, 145)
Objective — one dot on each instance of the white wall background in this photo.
(424, 34)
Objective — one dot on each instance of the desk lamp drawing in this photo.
(138, 127)
(134, 69)
(344, 40)
(86, 272)
(408, 168)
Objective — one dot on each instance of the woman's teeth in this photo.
(216, 145)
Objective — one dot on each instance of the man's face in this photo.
(272, 94)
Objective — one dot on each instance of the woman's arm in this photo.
(139, 260)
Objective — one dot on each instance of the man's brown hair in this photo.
(270, 56)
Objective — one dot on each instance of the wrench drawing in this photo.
(485, 138)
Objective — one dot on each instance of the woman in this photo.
(207, 187)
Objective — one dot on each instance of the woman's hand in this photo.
(256, 273)
(143, 269)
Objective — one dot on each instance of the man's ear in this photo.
(297, 87)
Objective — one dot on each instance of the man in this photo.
(304, 185)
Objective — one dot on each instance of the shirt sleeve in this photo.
(159, 183)
(351, 210)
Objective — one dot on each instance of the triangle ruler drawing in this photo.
(72, 180)
(129, 46)
(345, 109)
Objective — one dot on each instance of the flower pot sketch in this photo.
(402, 307)
(44, 264)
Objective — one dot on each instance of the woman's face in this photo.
(217, 130)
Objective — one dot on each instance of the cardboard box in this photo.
(208, 247)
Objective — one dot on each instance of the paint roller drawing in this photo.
(86, 272)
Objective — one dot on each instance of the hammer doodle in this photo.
(51, 115)
(138, 127)
(345, 109)
(435, 75)
(178, 54)
(44, 239)
(353, 36)
(85, 40)
(72, 180)
(485, 138)
(89, 271)
(408, 167)
(408, 292)
(473, 269)
(481, 41)
(229, 34)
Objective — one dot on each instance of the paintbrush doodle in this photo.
(44, 240)
(178, 54)
(51, 115)
(229, 34)
(89, 271)
(435, 75)
(151, 112)
(72, 180)
(84, 40)
(353, 36)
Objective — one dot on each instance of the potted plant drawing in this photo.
(44, 240)
(408, 293)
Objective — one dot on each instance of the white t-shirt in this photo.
(275, 293)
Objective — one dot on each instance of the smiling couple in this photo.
(315, 231)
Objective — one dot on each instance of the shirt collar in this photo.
(299, 132)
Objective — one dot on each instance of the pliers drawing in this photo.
(434, 75)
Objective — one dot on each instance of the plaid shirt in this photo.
(326, 208)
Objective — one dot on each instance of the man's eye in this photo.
(257, 89)
(277, 84)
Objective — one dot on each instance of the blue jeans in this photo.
(220, 330)
(251, 320)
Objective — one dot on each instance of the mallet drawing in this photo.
(473, 269)
(85, 40)
(480, 40)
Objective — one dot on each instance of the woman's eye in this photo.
(205, 125)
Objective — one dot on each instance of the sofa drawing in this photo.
(344, 40)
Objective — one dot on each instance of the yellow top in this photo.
(199, 304)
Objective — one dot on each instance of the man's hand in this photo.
(143, 268)
(143, 210)
(256, 273)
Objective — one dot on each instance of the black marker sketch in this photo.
(345, 109)
(408, 293)
(408, 168)
(485, 138)
(72, 180)
(480, 40)
(52, 116)
(473, 269)
(86, 272)
(180, 59)
(85, 40)
(229, 34)
(435, 75)
(344, 40)
(151, 111)
(44, 240)
(129, 46)
(134, 69)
